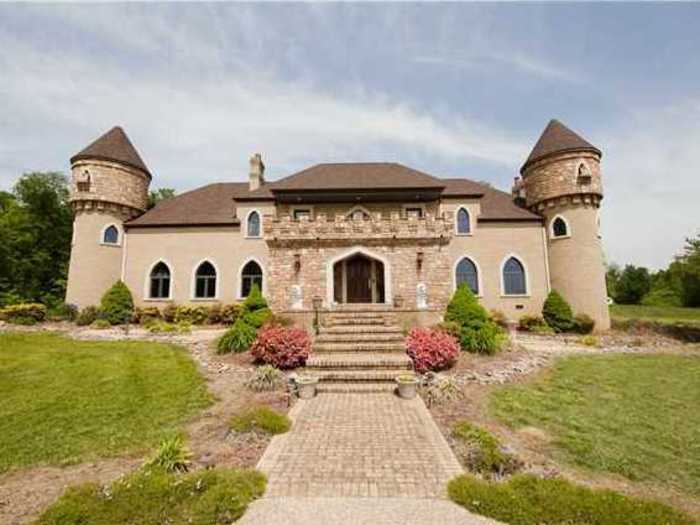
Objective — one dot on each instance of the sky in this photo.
(456, 90)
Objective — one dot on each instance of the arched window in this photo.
(514, 277)
(466, 273)
(160, 281)
(583, 174)
(559, 228)
(111, 235)
(254, 224)
(250, 275)
(463, 223)
(205, 281)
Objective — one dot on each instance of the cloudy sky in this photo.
(458, 90)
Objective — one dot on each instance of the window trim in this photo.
(193, 282)
(527, 276)
(120, 234)
(554, 237)
(479, 280)
(471, 222)
(405, 207)
(247, 218)
(147, 283)
(239, 282)
(350, 213)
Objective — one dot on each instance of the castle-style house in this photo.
(337, 236)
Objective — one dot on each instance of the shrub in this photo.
(214, 314)
(529, 323)
(477, 332)
(145, 315)
(528, 500)
(100, 324)
(229, 313)
(279, 320)
(437, 390)
(87, 316)
(484, 454)
(282, 347)
(662, 297)
(588, 340)
(557, 312)
(25, 313)
(449, 327)
(158, 326)
(172, 456)
(499, 318)
(257, 318)
(191, 314)
(117, 304)
(431, 349)
(262, 419)
(63, 311)
(583, 324)
(265, 378)
(236, 339)
(169, 312)
(255, 300)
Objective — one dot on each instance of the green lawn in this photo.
(64, 401)
(662, 314)
(634, 415)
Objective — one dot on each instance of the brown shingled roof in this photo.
(557, 138)
(496, 205)
(209, 205)
(355, 176)
(115, 146)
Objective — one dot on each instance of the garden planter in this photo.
(408, 386)
(306, 387)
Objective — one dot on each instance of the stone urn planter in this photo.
(306, 386)
(407, 385)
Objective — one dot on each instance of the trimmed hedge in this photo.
(477, 331)
(117, 304)
(557, 312)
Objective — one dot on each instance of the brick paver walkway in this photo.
(360, 445)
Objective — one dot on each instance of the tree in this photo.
(161, 194)
(633, 284)
(687, 269)
(35, 234)
(612, 276)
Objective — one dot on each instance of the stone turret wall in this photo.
(110, 182)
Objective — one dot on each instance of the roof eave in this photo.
(530, 162)
(76, 158)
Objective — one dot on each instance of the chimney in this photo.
(257, 172)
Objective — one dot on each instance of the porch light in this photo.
(419, 260)
(297, 262)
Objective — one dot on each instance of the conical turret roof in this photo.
(115, 146)
(557, 138)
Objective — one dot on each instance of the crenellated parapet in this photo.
(348, 230)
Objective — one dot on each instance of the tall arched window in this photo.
(253, 224)
(466, 273)
(205, 281)
(463, 223)
(250, 275)
(110, 235)
(514, 277)
(160, 281)
(559, 227)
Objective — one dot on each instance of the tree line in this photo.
(36, 227)
(677, 285)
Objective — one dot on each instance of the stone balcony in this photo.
(377, 228)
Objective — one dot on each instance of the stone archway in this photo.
(358, 277)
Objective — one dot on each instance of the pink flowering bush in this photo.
(431, 349)
(281, 347)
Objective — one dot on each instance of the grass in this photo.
(155, 497)
(527, 500)
(662, 314)
(633, 415)
(263, 419)
(64, 401)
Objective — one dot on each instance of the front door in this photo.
(359, 284)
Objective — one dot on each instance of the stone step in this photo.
(359, 337)
(358, 315)
(360, 360)
(361, 329)
(378, 375)
(355, 388)
(362, 346)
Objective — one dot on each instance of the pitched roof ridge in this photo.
(557, 138)
(114, 145)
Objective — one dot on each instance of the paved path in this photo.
(359, 458)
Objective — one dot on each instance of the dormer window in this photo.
(83, 181)
(583, 175)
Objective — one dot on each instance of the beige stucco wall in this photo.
(576, 261)
(94, 266)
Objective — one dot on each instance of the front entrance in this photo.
(358, 279)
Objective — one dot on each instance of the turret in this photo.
(561, 181)
(109, 185)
